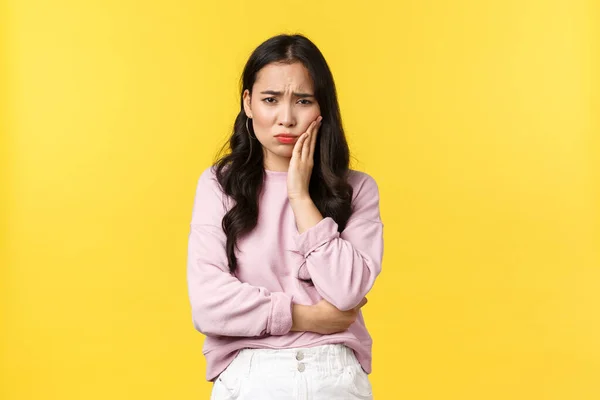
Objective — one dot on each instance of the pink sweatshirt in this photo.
(253, 308)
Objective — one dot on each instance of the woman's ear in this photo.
(247, 109)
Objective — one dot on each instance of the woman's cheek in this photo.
(261, 123)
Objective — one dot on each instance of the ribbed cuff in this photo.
(280, 320)
(323, 232)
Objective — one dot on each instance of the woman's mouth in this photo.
(286, 139)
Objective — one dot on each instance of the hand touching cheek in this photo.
(302, 161)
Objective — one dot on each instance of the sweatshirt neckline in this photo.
(275, 175)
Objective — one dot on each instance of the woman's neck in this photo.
(276, 163)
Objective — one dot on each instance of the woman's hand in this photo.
(302, 162)
(323, 317)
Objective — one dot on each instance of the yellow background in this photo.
(478, 119)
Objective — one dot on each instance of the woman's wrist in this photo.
(301, 318)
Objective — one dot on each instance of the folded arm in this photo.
(343, 266)
(221, 304)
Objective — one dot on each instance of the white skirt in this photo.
(325, 372)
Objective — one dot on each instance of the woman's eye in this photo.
(271, 100)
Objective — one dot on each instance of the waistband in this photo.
(322, 359)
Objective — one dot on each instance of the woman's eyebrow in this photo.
(277, 93)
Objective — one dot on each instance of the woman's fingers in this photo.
(313, 139)
(297, 152)
(306, 143)
(362, 303)
(304, 149)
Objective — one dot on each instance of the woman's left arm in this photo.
(343, 266)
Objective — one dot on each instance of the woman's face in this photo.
(282, 102)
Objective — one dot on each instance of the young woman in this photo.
(285, 240)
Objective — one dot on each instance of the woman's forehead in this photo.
(283, 77)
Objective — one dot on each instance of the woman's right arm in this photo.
(221, 304)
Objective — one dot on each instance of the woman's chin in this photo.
(283, 151)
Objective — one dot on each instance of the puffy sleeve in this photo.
(343, 266)
(221, 304)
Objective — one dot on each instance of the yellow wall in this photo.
(478, 119)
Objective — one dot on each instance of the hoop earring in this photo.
(251, 140)
(248, 130)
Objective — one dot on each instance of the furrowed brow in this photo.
(277, 93)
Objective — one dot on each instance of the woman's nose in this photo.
(286, 117)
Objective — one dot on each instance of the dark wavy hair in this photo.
(240, 172)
